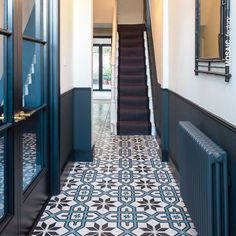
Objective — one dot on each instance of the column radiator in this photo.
(203, 181)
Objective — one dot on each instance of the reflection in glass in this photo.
(95, 67)
(106, 68)
(3, 74)
(32, 69)
(33, 18)
(32, 149)
(209, 28)
(2, 177)
(3, 14)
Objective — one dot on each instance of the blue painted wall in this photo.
(82, 124)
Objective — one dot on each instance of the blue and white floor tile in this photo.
(127, 190)
(100, 112)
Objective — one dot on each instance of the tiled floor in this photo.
(102, 95)
(100, 112)
(125, 191)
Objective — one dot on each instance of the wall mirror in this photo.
(213, 45)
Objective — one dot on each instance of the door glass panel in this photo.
(106, 68)
(33, 146)
(95, 67)
(32, 74)
(2, 177)
(3, 74)
(3, 14)
(33, 18)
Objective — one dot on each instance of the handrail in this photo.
(114, 34)
(114, 71)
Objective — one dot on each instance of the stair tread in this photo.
(131, 49)
(134, 110)
(130, 86)
(134, 122)
(133, 66)
(124, 27)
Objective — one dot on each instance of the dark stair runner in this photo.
(133, 102)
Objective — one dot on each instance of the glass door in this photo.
(6, 111)
(102, 67)
(96, 68)
(24, 171)
(106, 68)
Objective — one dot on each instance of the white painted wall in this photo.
(160, 21)
(76, 44)
(156, 10)
(130, 11)
(66, 38)
(209, 92)
(103, 10)
(83, 43)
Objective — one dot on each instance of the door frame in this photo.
(53, 91)
(100, 49)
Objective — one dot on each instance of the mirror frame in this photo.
(214, 66)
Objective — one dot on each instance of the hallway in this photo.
(125, 191)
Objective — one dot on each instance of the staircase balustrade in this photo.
(114, 66)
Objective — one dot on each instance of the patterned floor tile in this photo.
(127, 190)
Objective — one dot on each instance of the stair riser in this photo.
(139, 104)
(132, 78)
(130, 84)
(131, 44)
(133, 130)
(131, 60)
(129, 28)
(130, 36)
(129, 52)
(133, 91)
(132, 71)
(128, 115)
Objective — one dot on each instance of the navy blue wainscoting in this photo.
(82, 124)
(66, 142)
(218, 130)
(160, 97)
(76, 127)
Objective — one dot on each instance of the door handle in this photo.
(18, 117)
(21, 116)
(24, 114)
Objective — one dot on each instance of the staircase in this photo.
(133, 116)
(29, 89)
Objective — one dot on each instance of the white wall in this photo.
(66, 43)
(159, 19)
(83, 43)
(209, 92)
(76, 44)
(157, 32)
(103, 10)
(130, 11)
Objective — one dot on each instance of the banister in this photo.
(114, 33)
(114, 71)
